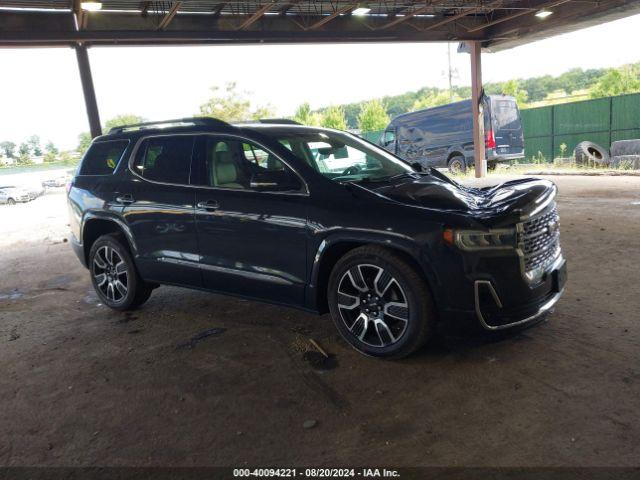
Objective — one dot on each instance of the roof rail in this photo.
(285, 121)
(202, 121)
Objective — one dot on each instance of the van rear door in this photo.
(507, 127)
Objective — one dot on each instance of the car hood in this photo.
(496, 206)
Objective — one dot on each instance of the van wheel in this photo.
(11, 201)
(457, 165)
(114, 275)
(380, 304)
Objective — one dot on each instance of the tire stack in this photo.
(625, 154)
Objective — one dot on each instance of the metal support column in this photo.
(88, 90)
(476, 102)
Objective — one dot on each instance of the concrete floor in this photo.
(82, 385)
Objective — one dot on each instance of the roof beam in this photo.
(406, 17)
(219, 7)
(285, 8)
(335, 14)
(166, 20)
(79, 14)
(257, 15)
(516, 15)
(464, 13)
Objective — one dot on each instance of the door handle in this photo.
(124, 199)
(208, 205)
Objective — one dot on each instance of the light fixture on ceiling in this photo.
(91, 6)
(361, 9)
(543, 13)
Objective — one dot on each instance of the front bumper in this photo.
(492, 314)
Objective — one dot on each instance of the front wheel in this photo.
(11, 201)
(380, 303)
(114, 275)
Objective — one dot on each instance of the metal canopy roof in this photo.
(498, 24)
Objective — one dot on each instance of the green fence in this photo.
(603, 120)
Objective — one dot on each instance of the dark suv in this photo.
(312, 218)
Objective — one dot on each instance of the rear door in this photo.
(506, 125)
(158, 206)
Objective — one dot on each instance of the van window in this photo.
(505, 113)
(388, 138)
(103, 157)
(165, 159)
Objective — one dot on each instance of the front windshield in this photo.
(340, 156)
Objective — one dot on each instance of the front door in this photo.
(253, 240)
(159, 208)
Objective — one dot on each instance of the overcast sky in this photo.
(40, 89)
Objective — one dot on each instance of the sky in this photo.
(40, 89)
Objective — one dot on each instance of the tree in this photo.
(333, 117)
(34, 145)
(512, 88)
(84, 140)
(52, 151)
(9, 149)
(617, 81)
(24, 153)
(232, 106)
(434, 99)
(305, 116)
(120, 120)
(373, 117)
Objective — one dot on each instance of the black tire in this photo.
(380, 333)
(11, 201)
(589, 153)
(457, 164)
(492, 166)
(106, 273)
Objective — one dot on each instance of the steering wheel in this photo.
(352, 170)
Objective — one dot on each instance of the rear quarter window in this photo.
(102, 158)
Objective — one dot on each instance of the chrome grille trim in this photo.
(539, 243)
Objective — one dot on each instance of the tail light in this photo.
(490, 141)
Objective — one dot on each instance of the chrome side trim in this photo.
(541, 311)
(232, 271)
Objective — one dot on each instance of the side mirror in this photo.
(274, 181)
(417, 166)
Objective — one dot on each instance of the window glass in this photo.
(165, 159)
(236, 164)
(341, 156)
(389, 137)
(103, 157)
(505, 113)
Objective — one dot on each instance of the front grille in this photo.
(540, 240)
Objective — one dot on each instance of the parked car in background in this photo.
(11, 195)
(56, 182)
(443, 136)
(313, 218)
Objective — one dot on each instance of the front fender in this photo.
(419, 254)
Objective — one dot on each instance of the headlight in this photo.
(481, 240)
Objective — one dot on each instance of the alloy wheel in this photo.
(111, 274)
(373, 305)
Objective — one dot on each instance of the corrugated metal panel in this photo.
(602, 121)
(577, 117)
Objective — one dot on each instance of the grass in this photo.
(37, 168)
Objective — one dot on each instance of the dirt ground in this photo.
(82, 385)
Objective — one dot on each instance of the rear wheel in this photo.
(457, 164)
(380, 304)
(11, 201)
(114, 275)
